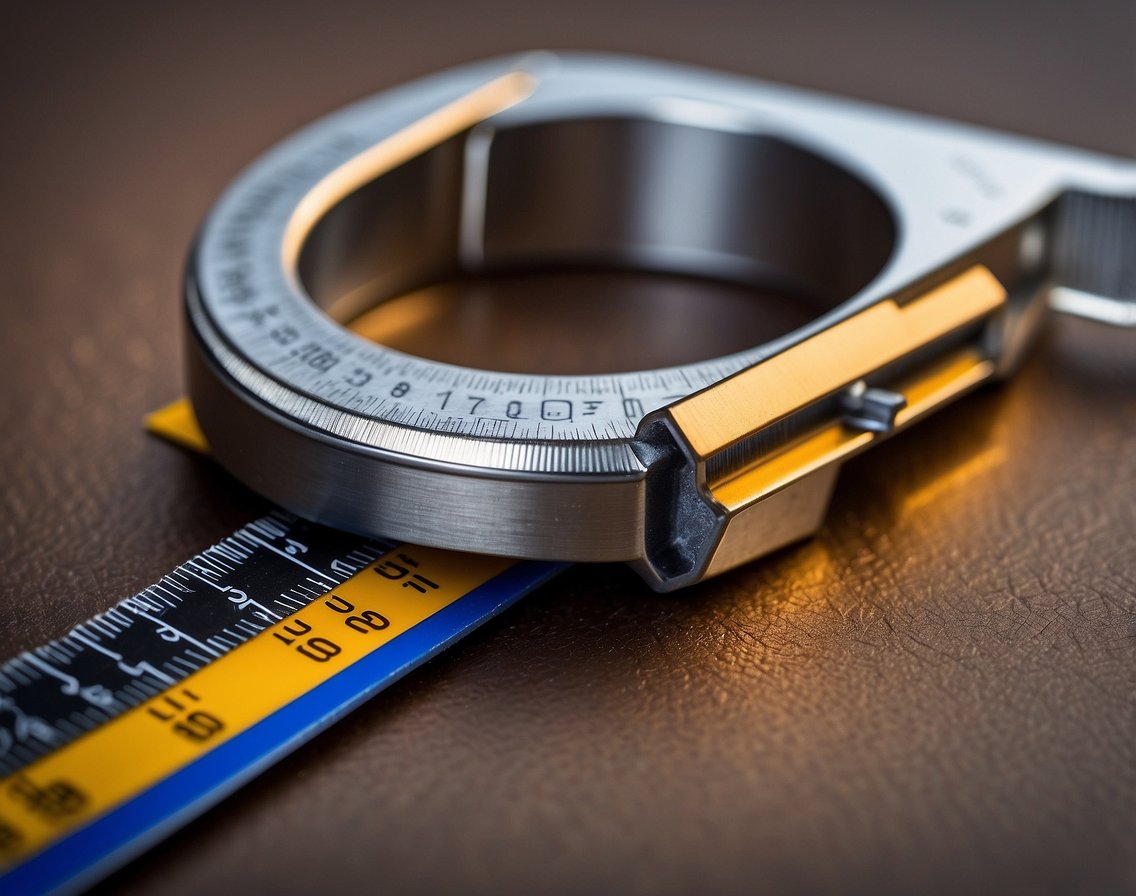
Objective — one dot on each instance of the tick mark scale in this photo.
(141, 718)
(927, 251)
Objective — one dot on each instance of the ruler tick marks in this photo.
(287, 556)
(167, 634)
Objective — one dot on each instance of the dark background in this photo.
(938, 693)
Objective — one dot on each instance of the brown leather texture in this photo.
(937, 694)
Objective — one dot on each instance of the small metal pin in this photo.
(871, 409)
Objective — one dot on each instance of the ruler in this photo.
(146, 715)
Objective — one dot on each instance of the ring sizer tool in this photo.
(931, 252)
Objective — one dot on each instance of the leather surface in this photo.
(936, 694)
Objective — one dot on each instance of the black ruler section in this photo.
(210, 604)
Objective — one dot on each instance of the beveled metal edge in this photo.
(562, 461)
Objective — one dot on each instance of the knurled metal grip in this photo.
(927, 249)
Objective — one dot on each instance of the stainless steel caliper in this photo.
(931, 250)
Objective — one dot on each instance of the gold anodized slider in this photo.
(780, 495)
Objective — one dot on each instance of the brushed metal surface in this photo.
(566, 518)
(931, 696)
(545, 160)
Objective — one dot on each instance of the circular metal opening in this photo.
(595, 245)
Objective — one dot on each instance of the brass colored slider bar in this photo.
(752, 486)
(728, 412)
(962, 371)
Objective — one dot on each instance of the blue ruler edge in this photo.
(92, 852)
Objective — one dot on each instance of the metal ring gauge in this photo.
(928, 251)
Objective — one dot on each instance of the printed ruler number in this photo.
(401, 570)
(364, 623)
(177, 709)
(316, 648)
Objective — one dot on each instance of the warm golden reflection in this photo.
(403, 319)
(580, 322)
(956, 478)
(958, 373)
(453, 118)
(765, 393)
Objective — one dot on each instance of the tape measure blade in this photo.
(318, 620)
(177, 423)
(92, 851)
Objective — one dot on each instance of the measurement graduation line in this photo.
(104, 754)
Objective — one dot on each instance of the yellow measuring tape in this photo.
(151, 741)
(67, 789)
